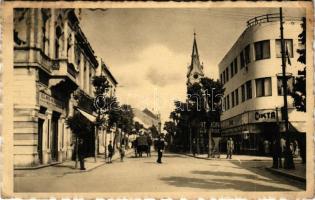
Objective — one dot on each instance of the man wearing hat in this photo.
(160, 148)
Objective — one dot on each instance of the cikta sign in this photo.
(263, 116)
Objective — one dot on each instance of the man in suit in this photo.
(230, 148)
(160, 148)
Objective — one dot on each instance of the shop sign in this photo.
(263, 116)
(49, 100)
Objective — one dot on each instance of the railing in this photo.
(263, 19)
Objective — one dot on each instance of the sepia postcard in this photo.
(157, 100)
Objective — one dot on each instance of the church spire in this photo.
(195, 70)
(194, 54)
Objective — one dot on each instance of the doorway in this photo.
(54, 137)
(40, 140)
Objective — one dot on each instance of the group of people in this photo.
(160, 146)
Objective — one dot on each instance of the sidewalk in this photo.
(90, 163)
(299, 173)
(234, 157)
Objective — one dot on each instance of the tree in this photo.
(170, 128)
(154, 131)
(101, 85)
(203, 104)
(79, 126)
(299, 86)
(138, 126)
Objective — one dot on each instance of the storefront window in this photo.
(262, 50)
(263, 87)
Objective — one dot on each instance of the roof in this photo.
(110, 74)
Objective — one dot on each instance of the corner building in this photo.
(53, 62)
(251, 75)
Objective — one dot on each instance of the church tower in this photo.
(195, 69)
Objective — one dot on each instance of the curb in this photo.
(37, 167)
(103, 163)
(291, 176)
(221, 159)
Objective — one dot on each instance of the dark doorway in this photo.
(40, 140)
(54, 137)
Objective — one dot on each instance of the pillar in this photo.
(32, 34)
(52, 35)
(65, 40)
(87, 79)
(81, 71)
(39, 28)
(61, 122)
(46, 136)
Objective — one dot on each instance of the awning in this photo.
(90, 117)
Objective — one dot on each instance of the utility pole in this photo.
(288, 159)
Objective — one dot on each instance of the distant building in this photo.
(251, 74)
(147, 118)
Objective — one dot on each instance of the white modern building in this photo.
(251, 75)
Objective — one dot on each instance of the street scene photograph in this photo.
(140, 100)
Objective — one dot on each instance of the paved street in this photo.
(177, 173)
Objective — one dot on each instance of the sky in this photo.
(148, 50)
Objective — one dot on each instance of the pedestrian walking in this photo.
(230, 148)
(267, 147)
(122, 152)
(296, 148)
(160, 147)
(81, 153)
(135, 147)
(110, 152)
(194, 148)
(149, 146)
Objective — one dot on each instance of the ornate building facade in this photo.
(53, 63)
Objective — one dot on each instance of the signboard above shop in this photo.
(264, 116)
(253, 116)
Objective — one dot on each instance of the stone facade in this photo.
(52, 61)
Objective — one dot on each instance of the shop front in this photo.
(253, 132)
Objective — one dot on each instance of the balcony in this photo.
(63, 68)
(263, 19)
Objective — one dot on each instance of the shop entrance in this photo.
(40, 140)
(54, 136)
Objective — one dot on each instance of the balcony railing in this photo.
(263, 19)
